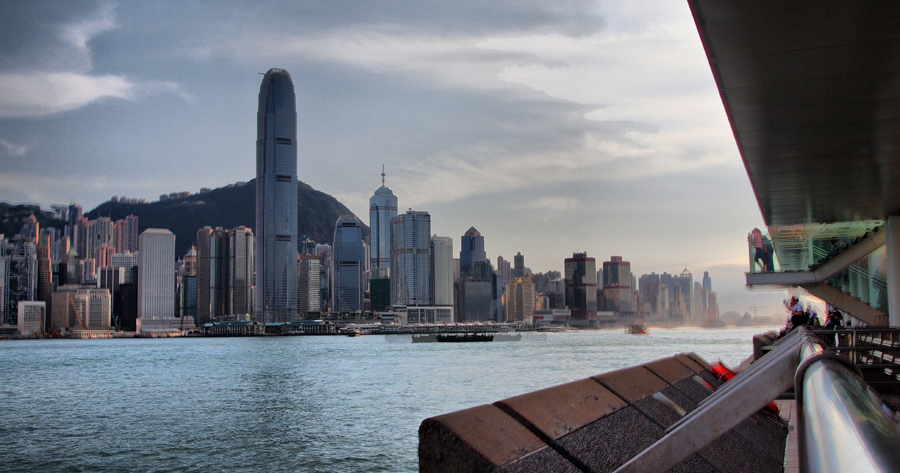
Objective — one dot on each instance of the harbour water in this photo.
(285, 403)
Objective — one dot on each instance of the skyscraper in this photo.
(617, 290)
(276, 199)
(348, 260)
(519, 261)
(382, 208)
(156, 275)
(411, 259)
(581, 289)
(442, 268)
(471, 251)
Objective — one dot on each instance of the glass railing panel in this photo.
(805, 247)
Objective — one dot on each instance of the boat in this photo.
(638, 327)
(465, 337)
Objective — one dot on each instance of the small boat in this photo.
(638, 327)
(465, 337)
(353, 333)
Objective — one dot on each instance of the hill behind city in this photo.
(226, 207)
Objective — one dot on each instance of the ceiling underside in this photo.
(812, 91)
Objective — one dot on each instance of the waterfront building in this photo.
(648, 294)
(684, 294)
(520, 300)
(187, 289)
(31, 318)
(18, 275)
(380, 294)
(308, 285)
(617, 293)
(411, 259)
(471, 251)
(156, 274)
(276, 199)
(241, 254)
(382, 208)
(504, 270)
(348, 262)
(581, 289)
(475, 300)
(212, 263)
(442, 269)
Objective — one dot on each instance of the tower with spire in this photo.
(382, 208)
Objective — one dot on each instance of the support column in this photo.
(892, 244)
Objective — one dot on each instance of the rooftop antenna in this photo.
(382, 175)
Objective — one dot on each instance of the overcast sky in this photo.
(551, 127)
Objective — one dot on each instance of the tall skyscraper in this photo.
(581, 289)
(348, 261)
(156, 274)
(382, 208)
(308, 295)
(519, 261)
(442, 268)
(617, 285)
(471, 251)
(520, 300)
(276, 199)
(411, 258)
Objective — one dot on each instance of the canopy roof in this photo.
(812, 91)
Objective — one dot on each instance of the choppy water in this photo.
(284, 403)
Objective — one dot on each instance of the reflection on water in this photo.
(285, 403)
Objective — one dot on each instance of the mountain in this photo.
(13, 216)
(226, 207)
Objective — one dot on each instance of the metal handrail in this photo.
(843, 424)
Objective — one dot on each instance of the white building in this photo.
(442, 266)
(156, 274)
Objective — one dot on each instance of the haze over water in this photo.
(285, 403)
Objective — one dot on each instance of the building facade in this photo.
(411, 259)
(617, 293)
(276, 199)
(348, 262)
(156, 274)
(382, 208)
(581, 289)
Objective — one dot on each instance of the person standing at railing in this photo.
(759, 257)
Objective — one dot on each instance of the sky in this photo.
(551, 127)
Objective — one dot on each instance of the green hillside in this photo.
(226, 207)
(12, 217)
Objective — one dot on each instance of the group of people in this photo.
(808, 317)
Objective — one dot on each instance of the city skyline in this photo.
(582, 127)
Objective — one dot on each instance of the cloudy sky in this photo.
(551, 127)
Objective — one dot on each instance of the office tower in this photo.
(581, 289)
(212, 264)
(44, 276)
(476, 301)
(380, 293)
(156, 274)
(519, 261)
(187, 290)
(308, 289)
(442, 270)
(684, 294)
(617, 285)
(648, 294)
(74, 215)
(520, 300)
(411, 258)
(347, 290)
(471, 251)
(18, 277)
(127, 234)
(240, 270)
(704, 293)
(382, 208)
(276, 199)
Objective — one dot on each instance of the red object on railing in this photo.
(723, 374)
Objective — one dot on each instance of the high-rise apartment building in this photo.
(348, 261)
(382, 208)
(411, 258)
(127, 234)
(276, 199)
(581, 289)
(156, 274)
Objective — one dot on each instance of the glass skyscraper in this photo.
(382, 208)
(347, 292)
(411, 259)
(276, 199)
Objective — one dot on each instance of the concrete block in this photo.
(477, 439)
(561, 409)
(670, 369)
(632, 383)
